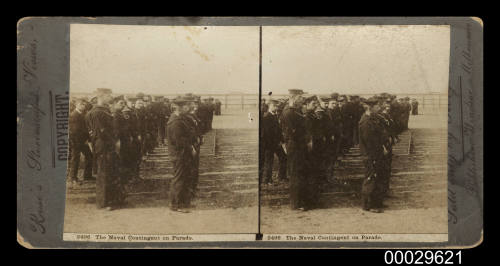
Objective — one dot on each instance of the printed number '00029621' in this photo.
(422, 257)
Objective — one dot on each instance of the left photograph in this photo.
(163, 132)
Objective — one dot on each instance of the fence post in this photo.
(215, 141)
(423, 103)
(225, 100)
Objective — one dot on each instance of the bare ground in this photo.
(85, 218)
(354, 220)
(419, 206)
(148, 213)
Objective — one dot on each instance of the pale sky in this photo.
(356, 59)
(164, 59)
(317, 59)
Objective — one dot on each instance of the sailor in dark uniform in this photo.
(158, 110)
(147, 123)
(183, 152)
(294, 133)
(390, 139)
(218, 107)
(406, 112)
(203, 115)
(357, 111)
(316, 147)
(78, 141)
(395, 112)
(271, 140)
(414, 107)
(141, 115)
(195, 127)
(211, 110)
(124, 131)
(332, 132)
(326, 134)
(100, 120)
(346, 137)
(130, 114)
(167, 111)
(371, 142)
(95, 163)
(335, 114)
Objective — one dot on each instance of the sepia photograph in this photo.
(195, 132)
(163, 131)
(354, 132)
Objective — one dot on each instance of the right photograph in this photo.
(353, 132)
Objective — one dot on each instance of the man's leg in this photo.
(95, 161)
(195, 174)
(282, 163)
(75, 162)
(179, 187)
(137, 158)
(102, 199)
(314, 178)
(378, 194)
(294, 176)
(87, 174)
(387, 173)
(268, 166)
(118, 176)
(337, 147)
(368, 185)
(261, 161)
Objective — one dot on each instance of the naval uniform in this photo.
(294, 131)
(194, 125)
(124, 132)
(271, 138)
(371, 145)
(180, 147)
(108, 189)
(78, 137)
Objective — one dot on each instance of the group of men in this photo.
(115, 133)
(309, 133)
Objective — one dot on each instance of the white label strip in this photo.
(84, 237)
(357, 237)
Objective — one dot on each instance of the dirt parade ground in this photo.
(227, 200)
(418, 202)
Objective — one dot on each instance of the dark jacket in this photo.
(371, 137)
(315, 130)
(293, 127)
(179, 136)
(78, 132)
(271, 131)
(122, 127)
(335, 121)
(141, 123)
(100, 124)
(194, 124)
